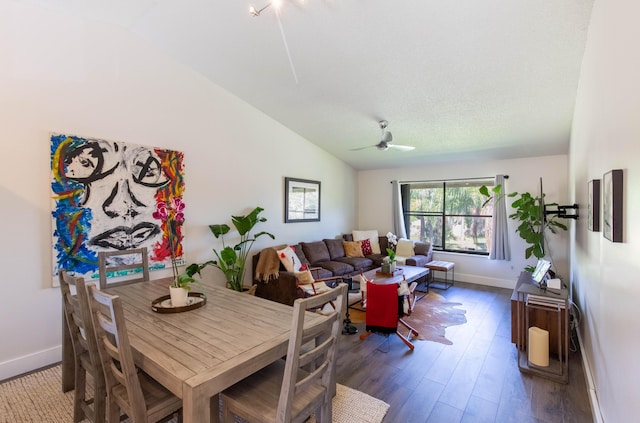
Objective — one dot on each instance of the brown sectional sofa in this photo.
(327, 258)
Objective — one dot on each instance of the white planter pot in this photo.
(178, 296)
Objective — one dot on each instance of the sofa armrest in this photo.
(419, 261)
(423, 254)
(281, 290)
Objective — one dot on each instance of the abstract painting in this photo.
(111, 195)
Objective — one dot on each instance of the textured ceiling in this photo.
(459, 80)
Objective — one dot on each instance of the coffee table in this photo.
(410, 273)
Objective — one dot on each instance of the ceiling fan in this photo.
(386, 141)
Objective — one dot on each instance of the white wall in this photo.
(374, 192)
(605, 136)
(70, 76)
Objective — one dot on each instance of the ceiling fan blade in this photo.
(361, 148)
(402, 147)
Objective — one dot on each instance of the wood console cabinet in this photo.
(531, 306)
(537, 317)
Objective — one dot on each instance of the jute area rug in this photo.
(431, 317)
(37, 397)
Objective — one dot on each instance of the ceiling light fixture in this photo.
(256, 12)
(277, 4)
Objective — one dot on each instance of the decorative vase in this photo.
(392, 267)
(178, 296)
(385, 267)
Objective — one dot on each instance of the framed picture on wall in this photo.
(594, 205)
(612, 205)
(301, 200)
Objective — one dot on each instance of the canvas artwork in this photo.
(110, 195)
(612, 205)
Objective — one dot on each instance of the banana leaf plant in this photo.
(533, 221)
(231, 260)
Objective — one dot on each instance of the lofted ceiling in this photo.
(457, 79)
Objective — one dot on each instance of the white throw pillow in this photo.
(405, 248)
(289, 259)
(372, 236)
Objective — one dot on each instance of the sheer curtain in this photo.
(398, 216)
(500, 249)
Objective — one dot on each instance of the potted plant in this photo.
(231, 260)
(170, 213)
(530, 213)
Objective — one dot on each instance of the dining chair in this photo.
(292, 389)
(385, 308)
(123, 260)
(85, 351)
(129, 389)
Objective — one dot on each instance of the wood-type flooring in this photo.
(474, 380)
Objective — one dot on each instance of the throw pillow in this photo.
(371, 235)
(366, 247)
(304, 277)
(289, 259)
(404, 248)
(352, 248)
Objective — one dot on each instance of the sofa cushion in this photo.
(289, 259)
(335, 247)
(352, 248)
(304, 277)
(321, 272)
(366, 247)
(371, 235)
(300, 253)
(358, 263)
(404, 248)
(316, 252)
(376, 259)
(422, 248)
(338, 268)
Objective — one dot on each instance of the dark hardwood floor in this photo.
(474, 380)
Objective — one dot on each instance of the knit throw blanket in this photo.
(268, 266)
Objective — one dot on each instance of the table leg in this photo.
(197, 408)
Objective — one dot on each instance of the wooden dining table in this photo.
(198, 353)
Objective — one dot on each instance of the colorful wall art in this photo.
(111, 195)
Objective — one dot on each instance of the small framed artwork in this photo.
(594, 205)
(301, 200)
(612, 205)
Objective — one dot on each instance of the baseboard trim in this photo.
(483, 280)
(591, 390)
(27, 363)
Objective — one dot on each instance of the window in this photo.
(449, 214)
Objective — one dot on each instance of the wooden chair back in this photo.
(85, 349)
(123, 260)
(115, 352)
(140, 397)
(316, 363)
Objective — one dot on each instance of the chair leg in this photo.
(411, 329)
(405, 340)
(365, 335)
(79, 391)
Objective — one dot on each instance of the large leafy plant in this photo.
(529, 212)
(231, 260)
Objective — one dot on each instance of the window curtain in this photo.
(500, 249)
(398, 215)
